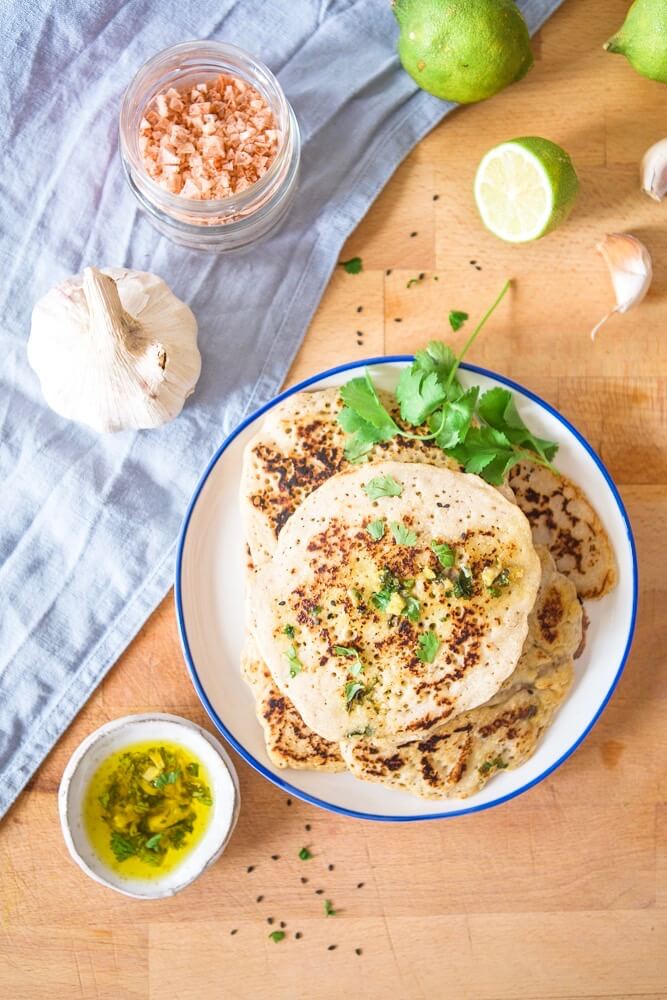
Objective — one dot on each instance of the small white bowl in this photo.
(114, 736)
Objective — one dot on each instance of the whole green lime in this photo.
(642, 39)
(463, 50)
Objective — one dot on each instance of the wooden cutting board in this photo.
(559, 893)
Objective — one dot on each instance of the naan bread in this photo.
(298, 447)
(289, 741)
(322, 591)
(458, 758)
(563, 519)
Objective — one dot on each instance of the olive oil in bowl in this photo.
(146, 807)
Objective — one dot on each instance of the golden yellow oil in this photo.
(122, 821)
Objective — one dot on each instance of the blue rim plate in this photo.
(210, 611)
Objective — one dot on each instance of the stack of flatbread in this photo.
(408, 622)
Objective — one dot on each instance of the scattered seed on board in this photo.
(360, 309)
(269, 920)
(360, 885)
(283, 924)
(235, 931)
(303, 880)
(435, 197)
(307, 828)
(318, 892)
(289, 802)
(388, 271)
(331, 868)
(332, 947)
(250, 868)
(413, 234)
(357, 951)
(275, 857)
(298, 935)
(398, 320)
(259, 899)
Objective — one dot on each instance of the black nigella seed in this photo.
(360, 885)
(307, 827)
(303, 880)
(298, 935)
(413, 234)
(275, 857)
(283, 924)
(269, 920)
(360, 309)
(422, 276)
(435, 197)
(398, 320)
(235, 931)
(282, 603)
(250, 868)
(357, 951)
(289, 802)
(360, 333)
(473, 261)
(331, 868)
(332, 947)
(259, 899)
(318, 892)
(477, 267)
(388, 271)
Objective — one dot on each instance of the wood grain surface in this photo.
(560, 893)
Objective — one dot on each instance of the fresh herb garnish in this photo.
(402, 535)
(499, 582)
(355, 691)
(277, 936)
(289, 631)
(121, 846)
(305, 854)
(390, 585)
(484, 434)
(166, 778)
(463, 584)
(411, 606)
(315, 612)
(353, 266)
(153, 841)
(376, 530)
(295, 664)
(382, 486)
(366, 731)
(328, 908)
(352, 653)
(496, 764)
(429, 644)
(445, 553)
(457, 319)
(193, 769)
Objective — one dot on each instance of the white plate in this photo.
(210, 609)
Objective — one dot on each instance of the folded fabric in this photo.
(88, 523)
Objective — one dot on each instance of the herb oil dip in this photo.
(146, 807)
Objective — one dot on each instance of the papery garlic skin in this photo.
(114, 349)
(653, 172)
(631, 270)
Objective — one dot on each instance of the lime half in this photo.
(525, 188)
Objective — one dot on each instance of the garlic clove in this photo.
(654, 171)
(631, 271)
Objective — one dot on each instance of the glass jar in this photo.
(222, 224)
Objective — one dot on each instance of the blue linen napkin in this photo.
(88, 524)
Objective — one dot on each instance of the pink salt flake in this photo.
(211, 140)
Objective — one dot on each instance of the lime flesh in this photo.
(525, 188)
(643, 39)
(463, 50)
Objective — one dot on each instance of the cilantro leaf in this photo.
(382, 486)
(497, 585)
(489, 453)
(193, 769)
(153, 841)
(305, 854)
(429, 644)
(328, 908)
(289, 631)
(168, 778)
(277, 936)
(376, 529)
(458, 414)
(121, 846)
(359, 395)
(402, 535)
(361, 436)
(498, 409)
(496, 764)
(411, 607)
(295, 664)
(445, 553)
(419, 393)
(353, 266)
(457, 319)
(350, 652)
(463, 584)
(354, 691)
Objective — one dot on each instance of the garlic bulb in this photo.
(654, 171)
(114, 349)
(631, 270)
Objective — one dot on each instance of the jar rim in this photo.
(235, 61)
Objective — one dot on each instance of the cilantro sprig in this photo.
(482, 431)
